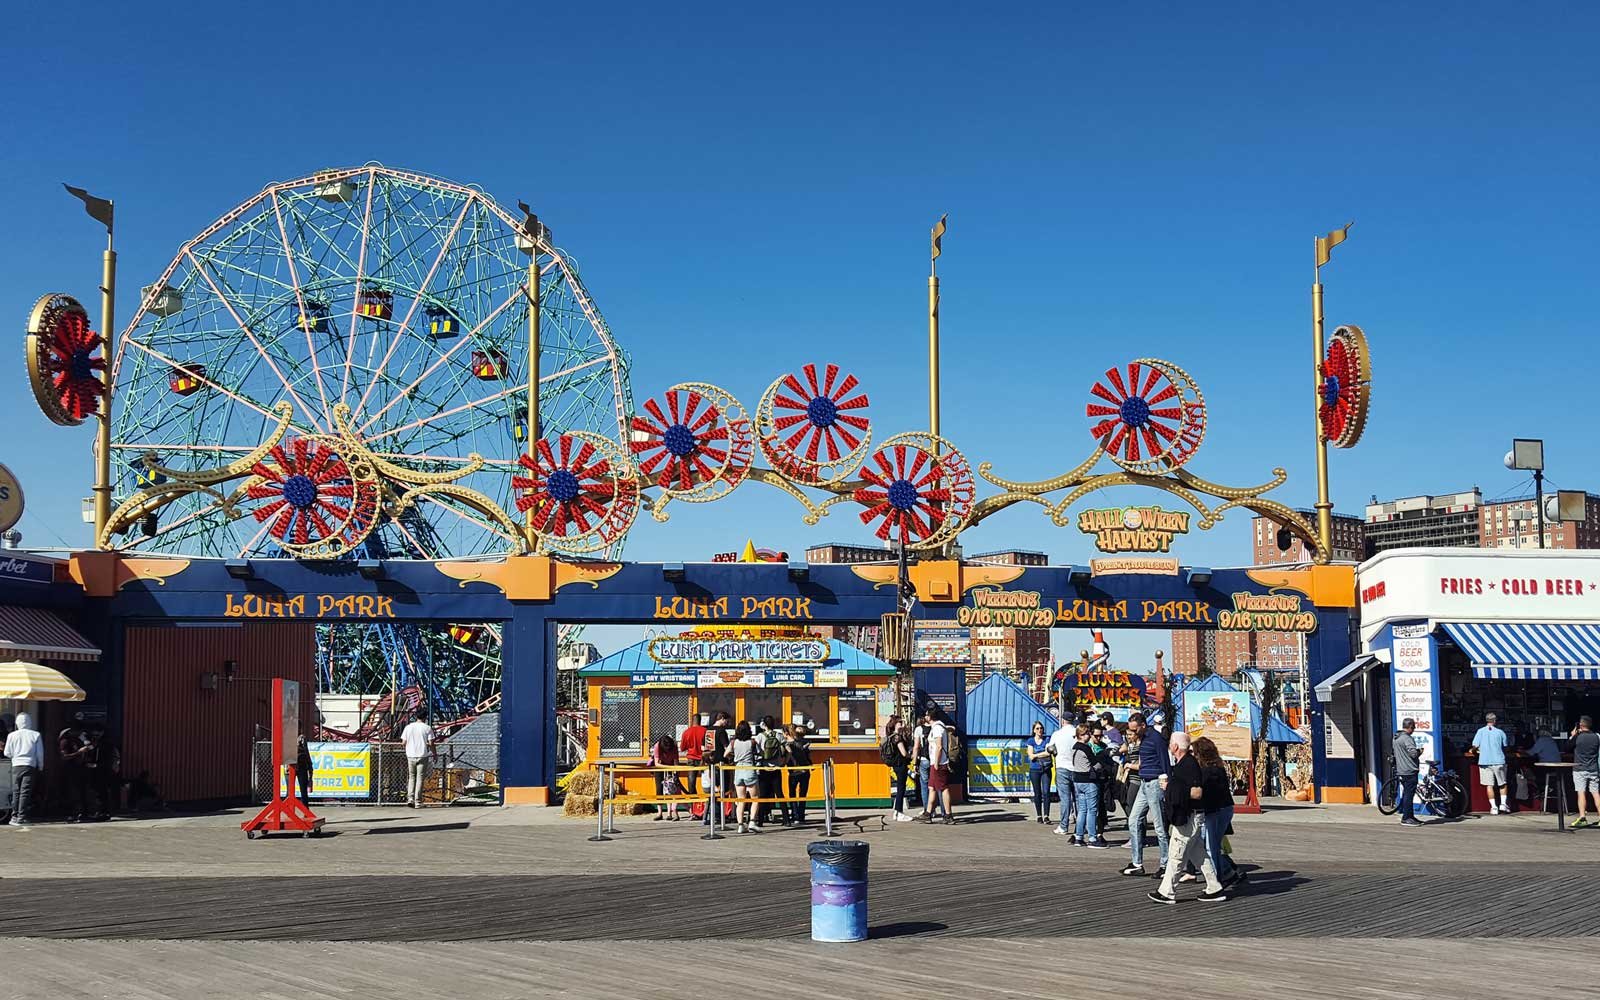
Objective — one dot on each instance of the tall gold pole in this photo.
(533, 350)
(933, 354)
(102, 458)
(1324, 504)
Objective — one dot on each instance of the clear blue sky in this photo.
(747, 191)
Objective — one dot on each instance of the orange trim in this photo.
(1344, 796)
(527, 795)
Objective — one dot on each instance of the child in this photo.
(664, 753)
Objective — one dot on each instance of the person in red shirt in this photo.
(691, 746)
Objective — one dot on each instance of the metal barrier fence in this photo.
(713, 797)
(456, 772)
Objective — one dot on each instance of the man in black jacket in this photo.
(1184, 818)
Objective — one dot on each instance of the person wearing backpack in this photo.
(799, 780)
(944, 749)
(769, 783)
(895, 751)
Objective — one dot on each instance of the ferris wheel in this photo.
(365, 308)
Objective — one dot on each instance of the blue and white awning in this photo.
(1529, 651)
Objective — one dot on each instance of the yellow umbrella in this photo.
(32, 682)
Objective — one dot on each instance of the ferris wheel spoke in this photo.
(416, 300)
(192, 373)
(300, 303)
(465, 339)
(361, 270)
(265, 354)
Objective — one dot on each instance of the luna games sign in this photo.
(1133, 529)
(1106, 688)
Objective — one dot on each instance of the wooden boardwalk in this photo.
(1454, 901)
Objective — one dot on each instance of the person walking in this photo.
(1060, 749)
(895, 751)
(799, 777)
(940, 761)
(1150, 750)
(1182, 810)
(742, 754)
(1407, 763)
(1490, 743)
(1216, 807)
(1111, 790)
(25, 748)
(1585, 769)
(1085, 763)
(303, 769)
(1036, 749)
(417, 738)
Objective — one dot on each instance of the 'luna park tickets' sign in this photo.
(715, 652)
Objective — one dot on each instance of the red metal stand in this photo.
(284, 814)
(1252, 798)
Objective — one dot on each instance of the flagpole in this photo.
(933, 334)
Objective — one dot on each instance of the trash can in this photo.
(838, 890)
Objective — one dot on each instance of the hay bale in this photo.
(584, 784)
(627, 805)
(579, 806)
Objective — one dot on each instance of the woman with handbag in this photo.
(895, 751)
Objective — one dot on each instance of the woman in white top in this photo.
(742, 754)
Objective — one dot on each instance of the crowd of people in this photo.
(754, 761)
(87, 784)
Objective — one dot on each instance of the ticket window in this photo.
(621, 718)
(760, 703)
(710, 701)
(858, 715)
(809, 707)
(668, 714)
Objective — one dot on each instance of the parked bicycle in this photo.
(1440, 790)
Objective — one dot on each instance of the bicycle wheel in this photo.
(1389, 796)
(1459, 799)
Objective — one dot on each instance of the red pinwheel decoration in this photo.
(574, 489)
(685, 443)
(309, 491)
(914, 494)
(1141, 418)
(1345, 387)
(806, 429)
(65, 361)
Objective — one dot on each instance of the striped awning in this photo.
(32, 682)
(1529, 651)
(40, 635)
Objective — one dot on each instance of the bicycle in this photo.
(1440, 790)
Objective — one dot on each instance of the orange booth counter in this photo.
(841, 694)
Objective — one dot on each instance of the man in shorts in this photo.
(1586, 770)
(1490, 742)
(939, 764)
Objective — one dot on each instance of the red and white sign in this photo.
(1414, 701)
(1411, 655)
(1413, 682)
(1478, 585)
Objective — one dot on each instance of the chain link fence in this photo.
(459, 771)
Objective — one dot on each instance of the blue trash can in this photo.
(838, 890)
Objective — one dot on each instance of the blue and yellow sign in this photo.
(338, 771)
(997, 768)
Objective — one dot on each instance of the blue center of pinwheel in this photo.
(1135, 411)
(679, 440)
(902, 495)
(1330, 390)
(563, 486)
(78, 365)
(822, 412)
(300, 491)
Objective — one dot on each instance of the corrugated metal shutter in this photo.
(196, 742)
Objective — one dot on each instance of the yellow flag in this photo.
(938, 235)
(1325, 244)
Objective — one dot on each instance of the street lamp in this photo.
(1527, 455)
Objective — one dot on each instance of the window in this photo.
(858, 714)
(710, 701)
(760, 703)
(809, 707)
(669, 714)
(619, 721)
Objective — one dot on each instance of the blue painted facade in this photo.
(999, 706)
(640, 593)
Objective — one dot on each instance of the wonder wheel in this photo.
(387, 314)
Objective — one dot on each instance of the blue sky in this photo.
(748, 190)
